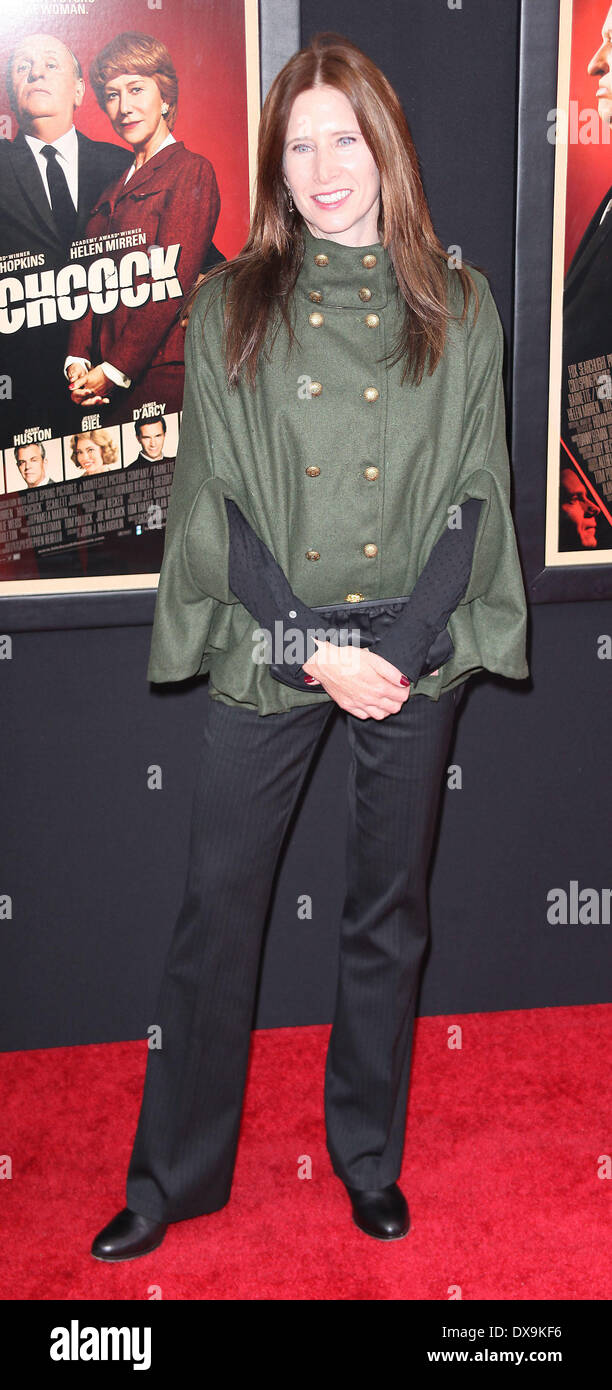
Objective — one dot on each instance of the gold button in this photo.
(372, 320)
(313, 555)
(316, 319)
(368, 261)
(371, 474)
(353, 598)
(316, 296)
(365, 293)
(315, 388)
(313, 471)
(370, 393)
(321, 259)
(370, 550)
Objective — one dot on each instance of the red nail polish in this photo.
(404, 681)
(309, 679)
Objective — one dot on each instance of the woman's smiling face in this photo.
(134, 107)
(326, 154)
(89, 455)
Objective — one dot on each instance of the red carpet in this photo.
(500, 1172)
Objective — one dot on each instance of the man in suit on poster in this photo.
(587, 330)
(50, 177)
(31, 460)
(151, 436)
(586, 300)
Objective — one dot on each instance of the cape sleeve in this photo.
(194, 604)
(488, 626)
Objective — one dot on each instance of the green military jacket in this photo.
(345, 474)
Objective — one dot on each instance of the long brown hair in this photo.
(263, 275)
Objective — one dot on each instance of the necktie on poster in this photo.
(62, 206)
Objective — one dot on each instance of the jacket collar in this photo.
(148, 178)
(26, 172)
(344, 274)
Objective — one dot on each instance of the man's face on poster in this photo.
(600, 67)
(152, 441)
(579, 507)
(44, 82)
(31, 464)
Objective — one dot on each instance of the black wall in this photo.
(94, 861)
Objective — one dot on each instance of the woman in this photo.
(322, 478)
(93, 451)
(135, 354)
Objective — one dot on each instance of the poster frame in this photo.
(128, 605)
(538, 72)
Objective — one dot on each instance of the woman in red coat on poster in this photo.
(135, 351)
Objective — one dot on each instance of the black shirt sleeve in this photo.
(439, 588)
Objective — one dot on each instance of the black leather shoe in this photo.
(381, 1212)
(127, 1236)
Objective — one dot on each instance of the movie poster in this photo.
(126, 164)
(579, 491)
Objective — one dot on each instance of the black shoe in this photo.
(128, 1235)
(381, 1212)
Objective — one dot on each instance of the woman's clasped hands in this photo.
(361, 682)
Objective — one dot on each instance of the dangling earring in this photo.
(165, 109)
(290, 199)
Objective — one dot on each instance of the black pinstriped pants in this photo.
(250, 773)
